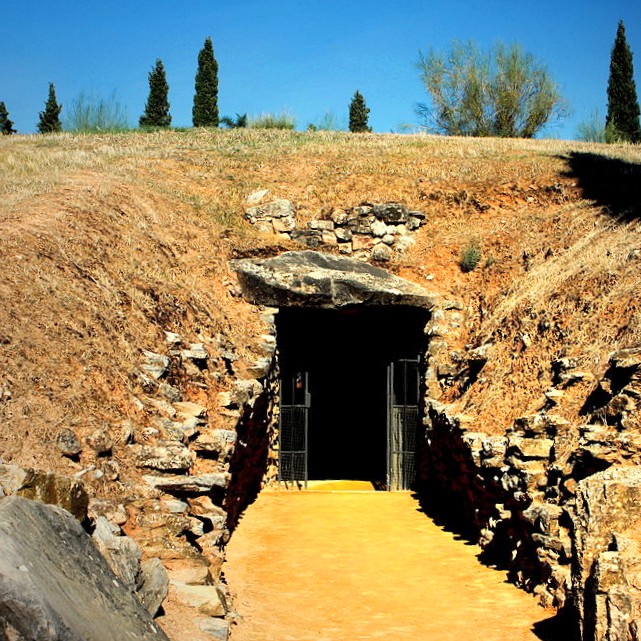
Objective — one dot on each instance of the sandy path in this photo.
(345, 566)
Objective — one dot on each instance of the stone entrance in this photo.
(350, 393)
(350, 339)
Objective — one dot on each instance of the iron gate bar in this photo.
(402, 422)
(293, 428)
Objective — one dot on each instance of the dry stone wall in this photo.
(367, 232)
(556, 504)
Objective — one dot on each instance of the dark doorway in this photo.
(336, 397)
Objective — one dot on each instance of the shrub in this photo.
(470, 257)
(282, 120)
(89, 113)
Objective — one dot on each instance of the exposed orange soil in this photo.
(325, 566)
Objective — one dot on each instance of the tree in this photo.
(205, 110)
(6, 125)
(622, 119)
(157, 107)
(358, 114)
(504, 92)
(50, 118)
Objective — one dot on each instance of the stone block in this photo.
(54, 489)
(54, 585)
(204, 598)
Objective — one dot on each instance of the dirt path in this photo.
(346, 565)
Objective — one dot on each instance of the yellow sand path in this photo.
(346, 566)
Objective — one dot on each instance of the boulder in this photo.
(154, 585)
(121, 553)
(607, 502)
(45, 487)
(55, 586)
(321, 280)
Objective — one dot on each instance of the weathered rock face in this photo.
(64, 590)
(606, 569)
(321, 280)
(46, 487)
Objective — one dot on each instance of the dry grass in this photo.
(106, 240)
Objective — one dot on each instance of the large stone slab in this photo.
(55, 585)
(314, 279)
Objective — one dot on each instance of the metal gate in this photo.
(294, 421)
(403, 385)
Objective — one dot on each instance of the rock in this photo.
(625, 358)
(155, 365)
(154, 585)
(414, 223)
(388, 239)
(175, 506)
(111, 470)
(172, 338)
(382, 253)
(205, 598)
(321, 280)
(280, 208)
(379, 229)
(221, 441)
(198, 484)
(391, 213)
(339, 217)
(343, 235)
(284, 225)
(100, 442)
(167, 456)
(196, 352)
(189, 571)
(216, 628)
(360, 243)
(171, 393)
(55, 586)
(67, 442)
(404, 243)
(121, 553)
(45, 487)
(257, 196)
(111, 510)
(606, 502)
(186, 409)
(323, 225)
(309, 237)
(531, 448)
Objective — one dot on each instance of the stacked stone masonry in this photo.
(367, 232)
(557, 504)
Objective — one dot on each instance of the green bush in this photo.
(470, 257)
(91, 114)
(282, 120)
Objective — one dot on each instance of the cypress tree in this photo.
(358, 114)
(50, 118)
(205, 110)
(6, 125)
(622, 120)
(157, 107)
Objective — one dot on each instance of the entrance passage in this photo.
(364, 566)
(350, 393)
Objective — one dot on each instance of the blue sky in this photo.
(307, 57)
